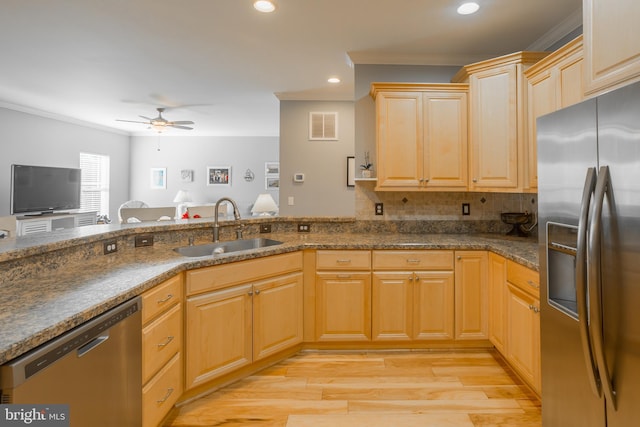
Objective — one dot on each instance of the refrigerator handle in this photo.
(581, 282)
(595, 284)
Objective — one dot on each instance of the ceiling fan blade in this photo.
(182, 122)
(181, 127)
(131, 121)
(146, 118)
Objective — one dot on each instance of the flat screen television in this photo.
(41, 189)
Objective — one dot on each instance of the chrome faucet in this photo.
(236, 215)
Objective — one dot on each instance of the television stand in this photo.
(44, 222)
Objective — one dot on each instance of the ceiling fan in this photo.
(160, 124)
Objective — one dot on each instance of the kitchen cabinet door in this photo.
(392, 306)
(399, 148)
(277, 314)
(219, 333)
(612, 45)
(343, 306)
(494, 128)
(433, 305)
(523, 335)
(444, 163)
(498, 301)
(471, 295)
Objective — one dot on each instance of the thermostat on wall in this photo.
(298, 177)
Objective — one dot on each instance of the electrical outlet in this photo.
(110, 247)
(145, 240)
(304, 228)
(265, 228)
(466, 209)
(379, 209)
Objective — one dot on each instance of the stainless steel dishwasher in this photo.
(95, 368)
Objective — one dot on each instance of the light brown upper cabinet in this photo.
(421, 133)
(553, 83)
(497, 121)
(611, 44)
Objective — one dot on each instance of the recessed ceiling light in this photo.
(468, 8)
(265, 6)
(333, 80)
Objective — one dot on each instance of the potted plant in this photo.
(366, 166)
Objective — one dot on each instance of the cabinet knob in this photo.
(459, 257)
(475, 179)
(257, 291)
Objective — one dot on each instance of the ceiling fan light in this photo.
(265, 6)
(468, 8)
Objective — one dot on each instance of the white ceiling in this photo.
(225, 65)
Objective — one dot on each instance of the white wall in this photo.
(324, 191)
(35, 140)
(177, 153)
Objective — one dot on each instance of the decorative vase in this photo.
(366, 173)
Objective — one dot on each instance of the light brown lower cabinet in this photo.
(471, 290)
(523, 323)
(255, 312)
(161, 350)
(498, 301)
(412, 296)
(343, 295)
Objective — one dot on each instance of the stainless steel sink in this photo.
(218, 248)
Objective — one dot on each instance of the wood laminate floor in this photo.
(372, 389)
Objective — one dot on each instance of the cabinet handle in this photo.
(533, 284)
(166, 396)
(413, 261)
(343, 261)
(344, 276)
(166, 343)
(162, 301)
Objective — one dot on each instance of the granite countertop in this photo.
(43, 306)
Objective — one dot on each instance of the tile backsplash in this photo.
(439, 205)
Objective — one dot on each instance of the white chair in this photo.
(131, 204)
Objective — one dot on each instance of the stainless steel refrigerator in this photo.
(589, 236)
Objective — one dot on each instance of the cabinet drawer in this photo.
(161, 339)
(221, 276)
(526, 279)
(413, 260)
(161, 298)
(343, 260)
(162, 392)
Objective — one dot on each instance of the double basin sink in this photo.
(219, 248)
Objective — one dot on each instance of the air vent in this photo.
(5, 398)
(323, 126)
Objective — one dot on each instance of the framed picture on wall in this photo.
(272, 183)
(219, 176)
(158, 178)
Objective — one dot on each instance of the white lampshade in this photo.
(182, 197)
(264, 205)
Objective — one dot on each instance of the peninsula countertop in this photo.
(39, 307)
